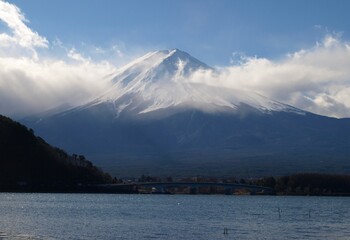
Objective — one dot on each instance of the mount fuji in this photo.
(159, 81)
(154, 120)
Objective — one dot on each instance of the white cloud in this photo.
(20, 34)
(73, 54)
(28, 86)
(316, 79)
(31, 84)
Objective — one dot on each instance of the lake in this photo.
(110, 216)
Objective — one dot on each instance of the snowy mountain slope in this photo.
(160, 80)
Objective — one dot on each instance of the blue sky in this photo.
(211, 30)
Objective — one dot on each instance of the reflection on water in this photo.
(100, 216)
(5, 236)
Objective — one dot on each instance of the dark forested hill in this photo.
(28, 162)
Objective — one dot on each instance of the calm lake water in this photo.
(100, 216)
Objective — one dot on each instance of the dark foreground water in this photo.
(99, 216)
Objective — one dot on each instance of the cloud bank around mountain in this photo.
(31, 82)
(315, 79)
(34, 78)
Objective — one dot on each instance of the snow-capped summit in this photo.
(158, 66)
(161, 80)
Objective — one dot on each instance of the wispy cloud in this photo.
(73, 54)
(20, 35)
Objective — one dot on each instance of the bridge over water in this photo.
(162, 187)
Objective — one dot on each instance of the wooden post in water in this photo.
(279, 213)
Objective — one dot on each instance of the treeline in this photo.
(308, 184)
(28, 162)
